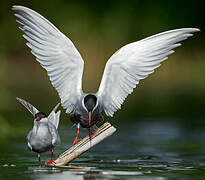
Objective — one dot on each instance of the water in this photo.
(148, 150)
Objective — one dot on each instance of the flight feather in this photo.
(55, 53)
(133, 62)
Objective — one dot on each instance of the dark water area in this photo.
(147, 150)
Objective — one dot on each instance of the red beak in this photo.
(89, 118)
(37, 119)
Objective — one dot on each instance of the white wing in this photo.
(53, 126)
(53, 117)
(54, 134)
(134, 62)
(57, 119)
(28, 106)
(55, 52)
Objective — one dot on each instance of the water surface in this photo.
(149, 150)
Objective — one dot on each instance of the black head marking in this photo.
(90, 102)
(40, 115)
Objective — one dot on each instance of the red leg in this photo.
(51, 161)
(77, 139)
(90, 133)
(39, 160)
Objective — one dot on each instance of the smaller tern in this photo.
(44, 135)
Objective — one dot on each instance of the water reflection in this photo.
(83, 175)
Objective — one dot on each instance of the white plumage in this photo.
(133, 62)
(55, 52)
(123, 71)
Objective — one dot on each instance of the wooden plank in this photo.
(84, 145)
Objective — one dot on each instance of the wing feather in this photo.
(53, 117)
(133, 62)
(28, 106)
(55, 53)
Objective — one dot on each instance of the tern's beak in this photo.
(37, 119)
(89, 114)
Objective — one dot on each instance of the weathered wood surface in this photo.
(85, 144)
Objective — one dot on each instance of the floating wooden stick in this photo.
(85, 144)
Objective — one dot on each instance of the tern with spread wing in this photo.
(64, 65)
(44, 135)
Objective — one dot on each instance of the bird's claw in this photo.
(91, 134)
(49, 162)
(76, 140)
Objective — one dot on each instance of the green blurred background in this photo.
(98, 28)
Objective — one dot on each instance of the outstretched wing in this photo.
(28, 106)
(55, 53)
(133, 62)
(53, 117)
